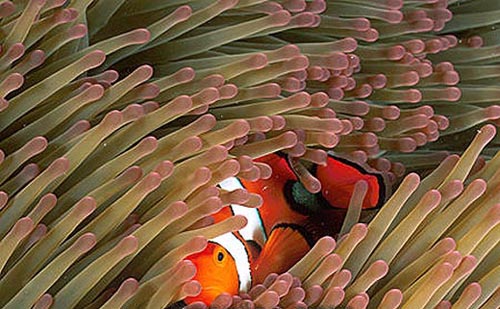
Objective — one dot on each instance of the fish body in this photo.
(285, 227)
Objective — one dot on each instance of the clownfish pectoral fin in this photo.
(302, 201)
(285, 246)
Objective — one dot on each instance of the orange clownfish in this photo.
(224, 266)
(284, 228)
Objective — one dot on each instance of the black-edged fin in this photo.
(384, 188)
(281, 227)
(285, 246)
(364, 168)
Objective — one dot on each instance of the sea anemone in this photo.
(119, 118)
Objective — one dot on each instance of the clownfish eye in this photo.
(219, 256)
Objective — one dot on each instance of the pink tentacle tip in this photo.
(294, 6)
(15, 52)
(370, 35)
(228, 91)
(281, 18)
(7, 8)
(4, 104)
(377, 81)
(316, 6)
(303, 20)
(492, 112)
(182, 13)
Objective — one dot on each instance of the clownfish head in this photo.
(216, 272)
(223, 267)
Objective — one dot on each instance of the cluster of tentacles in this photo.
(434, 244)
(118, 118)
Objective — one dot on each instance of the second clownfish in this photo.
(284, 228)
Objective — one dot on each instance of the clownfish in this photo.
(280, 232)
